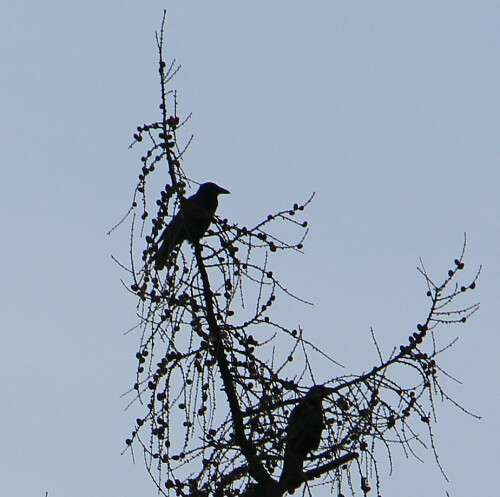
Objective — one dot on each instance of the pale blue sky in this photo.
(387, 110)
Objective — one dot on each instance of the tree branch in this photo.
(314, 473)
(255, 467)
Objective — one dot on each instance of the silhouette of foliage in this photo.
(218, 375)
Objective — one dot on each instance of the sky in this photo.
(387, 110)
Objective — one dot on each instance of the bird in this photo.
(305, 426)
(191, 222)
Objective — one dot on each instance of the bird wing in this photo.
(173, 235)
(304, 427)
(196, 219)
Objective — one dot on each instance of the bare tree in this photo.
(225, 389)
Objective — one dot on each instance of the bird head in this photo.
(318, 392)
(212, 189)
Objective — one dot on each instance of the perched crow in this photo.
(191, 222)
(305, 426)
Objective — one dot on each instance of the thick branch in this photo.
(255, 467)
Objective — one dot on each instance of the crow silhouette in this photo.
(303, 435)
(190, 223)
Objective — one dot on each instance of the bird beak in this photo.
(223, 191)
(327, 391)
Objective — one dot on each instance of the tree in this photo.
(228, 392)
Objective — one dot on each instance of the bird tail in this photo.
(173, 235)
(292, 475)
(162, 255)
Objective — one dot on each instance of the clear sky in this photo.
(387, 110)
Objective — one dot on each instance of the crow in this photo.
(190, 223)
(303, 436)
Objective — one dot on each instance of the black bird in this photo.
(191, 222)
(303, 435)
